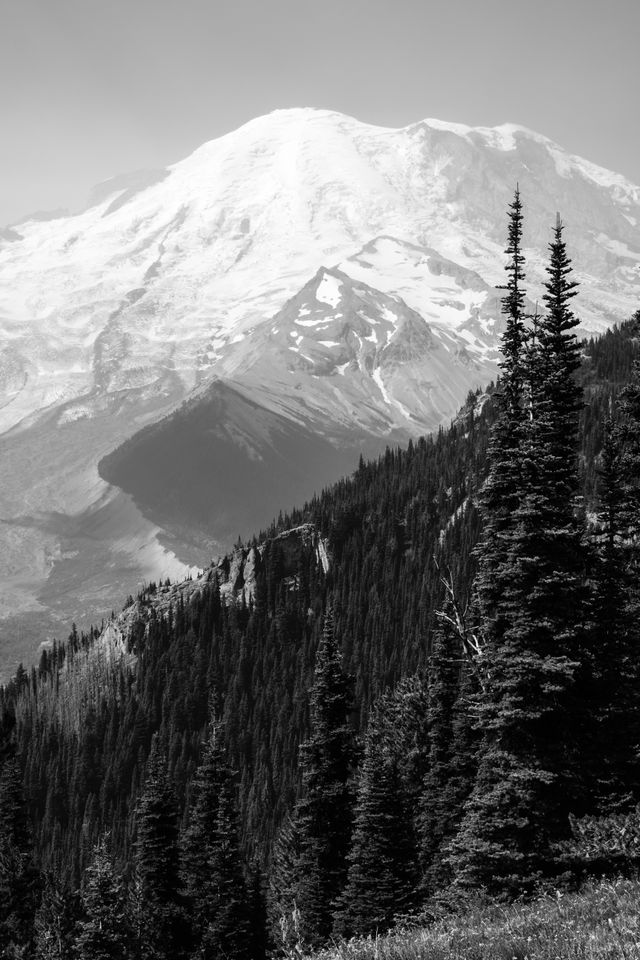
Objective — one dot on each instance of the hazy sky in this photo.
(92, 88)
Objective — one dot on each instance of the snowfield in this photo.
(161, 275)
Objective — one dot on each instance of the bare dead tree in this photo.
(459, 619)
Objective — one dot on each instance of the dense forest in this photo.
(423, 682)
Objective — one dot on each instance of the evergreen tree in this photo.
(451, 753)
(282, 909)
(7, 734)
(547, 594)
(614, 730)
(436, 807)
(402, 721)
(213, 872)
(104, 932)
(528, 779)
(324, 814)
(55, 922)
(259, 946)
(157, 863)
(382, 877)
(560, 347)
(19, 879)
(202, 820)
(501, 492)
(228, 931)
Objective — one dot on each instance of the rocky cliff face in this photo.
(236, 574)
(237, 571)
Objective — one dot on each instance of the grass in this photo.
(601, 922)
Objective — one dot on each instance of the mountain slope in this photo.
(111, 318)
(224, 465)
(369, 540)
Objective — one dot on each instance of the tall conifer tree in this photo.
(213, 868)
(500, 496)
(527, 780)
(451, 755)
(259, 947)
(283, 879)
(55, 922)
(615, 721)
(104, 932)
(157, 863)
(19, 879)
(383, 874)
(324, 814)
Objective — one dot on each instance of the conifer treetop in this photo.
(513, 304)
(560, 289)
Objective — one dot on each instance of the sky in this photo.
(93, 88)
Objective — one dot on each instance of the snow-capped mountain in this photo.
(330, 271)
(160, 272)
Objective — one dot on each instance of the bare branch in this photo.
(458, 620)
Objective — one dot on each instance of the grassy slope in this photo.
(601, 922)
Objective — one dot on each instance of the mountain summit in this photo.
(161, 271)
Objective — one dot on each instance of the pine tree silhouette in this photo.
(324, 814)
(213, 872)
(157, 863)
(528, 778)
(382, 877)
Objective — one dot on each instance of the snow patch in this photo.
(313, 323)
(390, 401)
(329, 290)
(71, 414)
(471, 340)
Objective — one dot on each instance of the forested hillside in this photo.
(372, 692)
